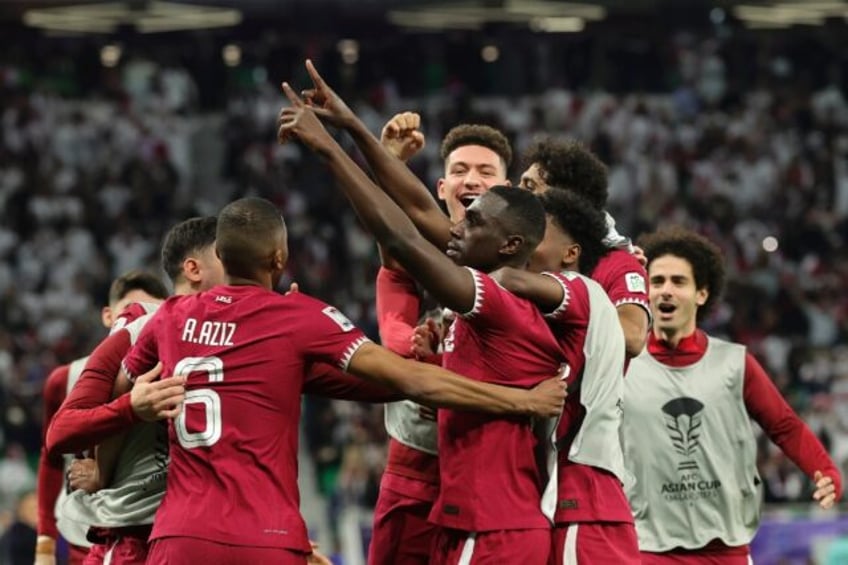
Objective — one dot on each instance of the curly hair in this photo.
(476, 134)
(187, 237)
(703, 255)
(571, 166)
(576, 216)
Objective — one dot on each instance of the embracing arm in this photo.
(434, 386)
(544, 291)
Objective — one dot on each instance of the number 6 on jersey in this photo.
(214, 368)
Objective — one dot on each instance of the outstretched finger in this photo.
(313, 74)
(292, 95)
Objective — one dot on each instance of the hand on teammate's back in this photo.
(425, 339)
(402, 135)
(83, 474)
(154, 399)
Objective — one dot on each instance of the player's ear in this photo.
(278, 262)
(571, 254)
(701, 296)
(106, 316)
(440, 188)
(512, 245)
(191, 270)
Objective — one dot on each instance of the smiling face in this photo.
(675, 299)
(470, 170)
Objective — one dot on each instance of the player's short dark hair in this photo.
(137, 280)
(184, 239)
(583, 222)
(523, 215)
(476, 134)
(247, 229)
(570, 165)
(703, 255)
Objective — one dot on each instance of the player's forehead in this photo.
(669, 265)
(475, 156)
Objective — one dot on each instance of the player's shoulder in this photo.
(616, 259)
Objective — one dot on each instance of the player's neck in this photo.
(259, 280)
(673, 336)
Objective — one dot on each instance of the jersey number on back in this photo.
(214, 368)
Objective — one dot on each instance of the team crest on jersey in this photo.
(340, 319)
(635, 282)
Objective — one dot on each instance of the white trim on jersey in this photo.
(467, 550)
(569, 552)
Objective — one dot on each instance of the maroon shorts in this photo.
(401, 534)
(694, 558)
(585, 543)
(125, 550)
(455, 547)
(76, 554)
(194, 551)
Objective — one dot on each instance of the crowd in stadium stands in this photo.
(87, 188)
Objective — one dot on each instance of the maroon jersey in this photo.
(233, 472)
(489, 476)
(623, 278)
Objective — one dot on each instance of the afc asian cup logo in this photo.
(683, 421)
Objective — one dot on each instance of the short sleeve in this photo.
(328, 335)
(574, 308)
(624, 279)
(490, 299)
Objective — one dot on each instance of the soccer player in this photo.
(585, 497)
(130, 476)
(697, 494)
(570, 166)
(476, 158)
(479, 455)
(231, 492)
(132, 287)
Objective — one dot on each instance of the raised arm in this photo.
(434, 386)
(451, 285)
(393, 176)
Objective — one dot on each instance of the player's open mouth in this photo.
(666, 308)
(468, 200)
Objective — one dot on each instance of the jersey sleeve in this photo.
(326, 335)
(491, 301)
(398, 306)
(782, 425)
(624, 279)
(574, 308)
(51, 473)
(331, 382)
(89, 416)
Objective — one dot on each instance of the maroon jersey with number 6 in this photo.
(233, 472)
